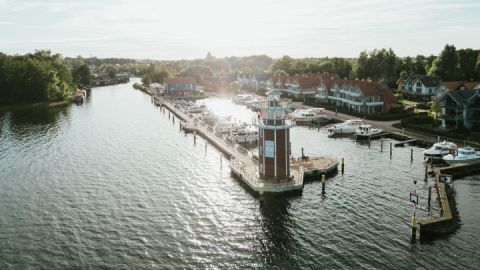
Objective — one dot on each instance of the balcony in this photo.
(453, 117)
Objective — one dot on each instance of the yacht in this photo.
(308, 115)
(465, 155)
(242, 98)
(196, 108)
(244, 135)
(440, 149)
(347, 127)
(225, 126)
(365, 131)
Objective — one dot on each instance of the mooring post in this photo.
(323, 184)
(426, 172)
(411, 154)
(429, 197)
(343, 165)
(194, 137)
(390, 150)
(381, 145)
(302, 154)
(414, 225)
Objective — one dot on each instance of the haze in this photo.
(183, 29)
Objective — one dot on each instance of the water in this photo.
(113, 183)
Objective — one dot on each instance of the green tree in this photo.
(280, 72)
(446, 65)
(285, 63)
(477, 68)
(82, 75)
(467, 59)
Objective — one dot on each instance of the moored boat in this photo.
(466, 155)
(243, 98)
(308, 116)
(366, 131)
(347, 127)
(440, 149)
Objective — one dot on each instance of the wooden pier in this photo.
(242, 163)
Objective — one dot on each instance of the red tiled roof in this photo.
(180, 80)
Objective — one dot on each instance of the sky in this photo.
(188, 29)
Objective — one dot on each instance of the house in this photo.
(299, 86)
(419, 86)
(357, 95)
(460, 109)
(216, 83)
(180, 86)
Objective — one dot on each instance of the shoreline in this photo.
(44, 104)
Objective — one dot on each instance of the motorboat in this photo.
(243, 98)
(465, 155)
(347, 127)
(308, 115)
(440, 149)
(365, 131)
(225, 126)
(196, 108)
(244, 135)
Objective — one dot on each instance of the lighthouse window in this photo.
(269, 149)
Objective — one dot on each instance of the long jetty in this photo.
(242, 162)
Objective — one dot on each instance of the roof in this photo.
(427, 80)
(180, 80)
(458, 85)
(460, 96)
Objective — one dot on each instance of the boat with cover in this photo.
(366, 131)
(466, 155)
(347, 127)
(440, 149)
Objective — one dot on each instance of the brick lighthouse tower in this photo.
(274, 139)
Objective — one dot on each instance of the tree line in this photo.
(34, 77)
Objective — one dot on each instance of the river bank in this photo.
(52, 104)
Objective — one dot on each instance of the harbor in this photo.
(139, 187)
(242, 162)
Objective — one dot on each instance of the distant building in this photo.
(180, 86)
(460, 109)
(419, 86)
(298, 86)
(216, 83)
(356, 95)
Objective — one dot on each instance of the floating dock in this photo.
(242, 163)
(447, 221)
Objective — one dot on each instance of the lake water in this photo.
(113, 183)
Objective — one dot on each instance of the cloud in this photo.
(188, 29)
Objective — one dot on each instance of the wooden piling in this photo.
(429, 197)
(426, 172)
(343, 165)
(390, 150)
(411, 154)
(323, 184)
(381, 145)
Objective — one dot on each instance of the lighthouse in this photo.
(274, 138)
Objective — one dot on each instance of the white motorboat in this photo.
(440, 149)
(366, 131)
(245, 135)
(196, 108)
(308, 115)
(347, 127)
(465, 155)
(225, 126)
(243, 98)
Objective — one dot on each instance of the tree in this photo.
(467, 59)
(235, 86)
(446, 65)
(111, 71)
(82, 75)
(478, 67)
(280, 72)
(285, 63)
(379, 65)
